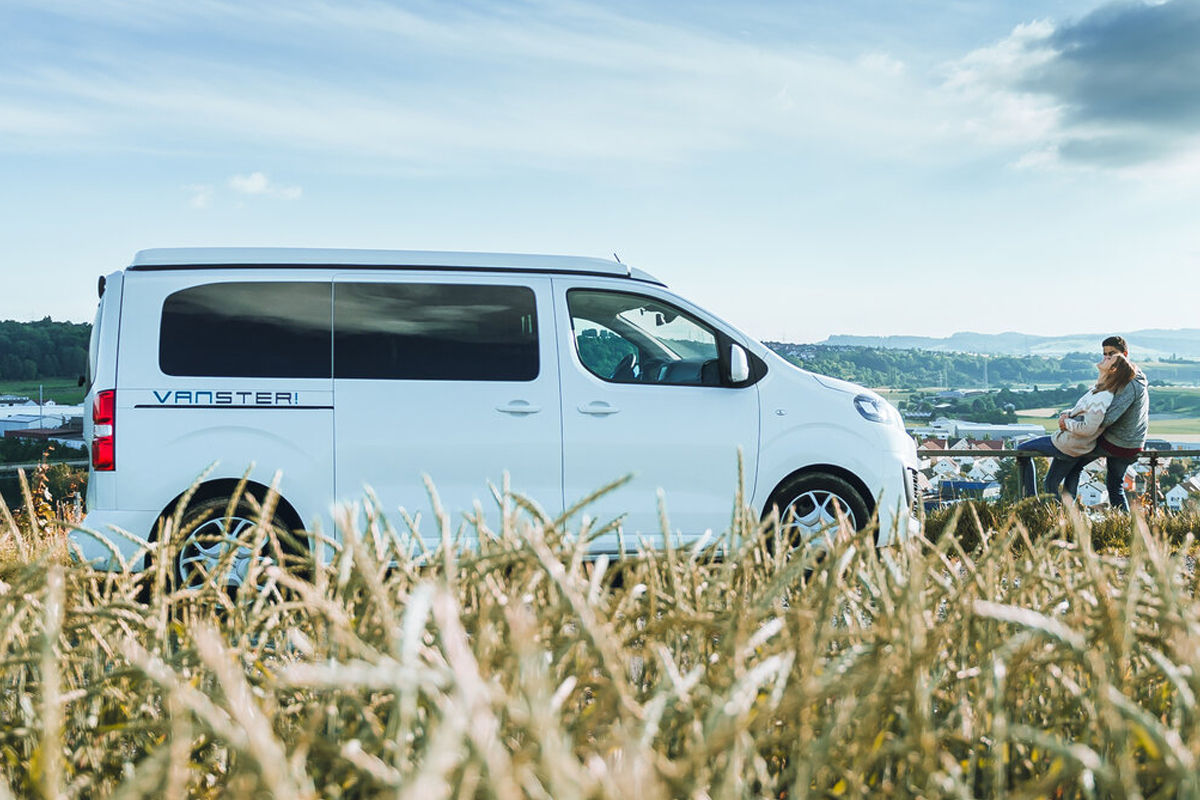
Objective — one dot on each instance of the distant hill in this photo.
(1144, 345)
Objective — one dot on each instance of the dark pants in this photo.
(1060, 467)
(1114, 476)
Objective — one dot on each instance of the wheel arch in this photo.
(825, 469)
(225, 488)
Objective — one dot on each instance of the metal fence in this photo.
(1153, 456)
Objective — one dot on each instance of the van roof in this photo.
(164, 258)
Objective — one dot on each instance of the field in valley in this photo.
(64, 391)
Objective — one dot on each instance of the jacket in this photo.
(1128, 416)
(1083, 424)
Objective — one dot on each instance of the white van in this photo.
(344, 369)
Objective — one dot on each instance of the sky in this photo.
(800, 169)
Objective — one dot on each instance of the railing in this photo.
(1152, 455)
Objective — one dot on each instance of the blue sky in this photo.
(801, 169)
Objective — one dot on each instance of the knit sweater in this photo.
(1128, 415)
(1083, 424)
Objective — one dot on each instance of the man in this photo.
(1124, 433)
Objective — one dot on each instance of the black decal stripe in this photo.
(264, 407)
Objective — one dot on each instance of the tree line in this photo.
(49, 349)
(914, 369)
(43, 349)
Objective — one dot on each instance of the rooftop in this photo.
(190, 257)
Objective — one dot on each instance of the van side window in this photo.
(629, 338)
(247, 330)
(448, 332)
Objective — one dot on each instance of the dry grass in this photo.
(1030, 667)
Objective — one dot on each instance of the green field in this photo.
(63, 391)
(1159, 428)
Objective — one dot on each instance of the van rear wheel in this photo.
(218, 544)
(809, 506)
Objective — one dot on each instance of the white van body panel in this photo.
(464, 435)
(809, 425)
(680, 442)
(558, 435)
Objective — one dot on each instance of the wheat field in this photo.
(1028, 666)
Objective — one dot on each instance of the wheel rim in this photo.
(813, 512)
(208, 544)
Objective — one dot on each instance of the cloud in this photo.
(437, 88)
(259, 183)
(202, 195)
(1116, 89)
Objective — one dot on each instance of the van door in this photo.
(450, 376)
(645, 393)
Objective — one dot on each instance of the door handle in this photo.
(519, 407)
(598, 408)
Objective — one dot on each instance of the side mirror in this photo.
(739, 364)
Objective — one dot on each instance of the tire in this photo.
(207, 535)
(808, 506)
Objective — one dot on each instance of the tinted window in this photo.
(247, 330)
(449, 332)
(628, 338)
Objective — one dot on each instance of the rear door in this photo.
(447, 376)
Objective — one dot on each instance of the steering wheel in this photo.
(623, 371)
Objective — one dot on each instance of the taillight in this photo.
(104, 438)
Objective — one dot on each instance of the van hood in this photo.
(839, 385)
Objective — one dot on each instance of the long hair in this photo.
(1121, 373)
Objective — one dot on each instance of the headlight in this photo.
(872, 408)
(876, 409)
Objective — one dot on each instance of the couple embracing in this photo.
(1108, 422)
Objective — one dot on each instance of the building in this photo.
(19, 422)
(51, 416)
(1185, 493)
(946, 428)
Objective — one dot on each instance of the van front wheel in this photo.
(809, 506)
(215, 543)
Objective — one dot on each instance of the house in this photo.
(945, 467)
(1092, 493)
(1179, 495)
(984, 469)
(1176, 496)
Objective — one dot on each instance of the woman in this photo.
(1079, 427)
